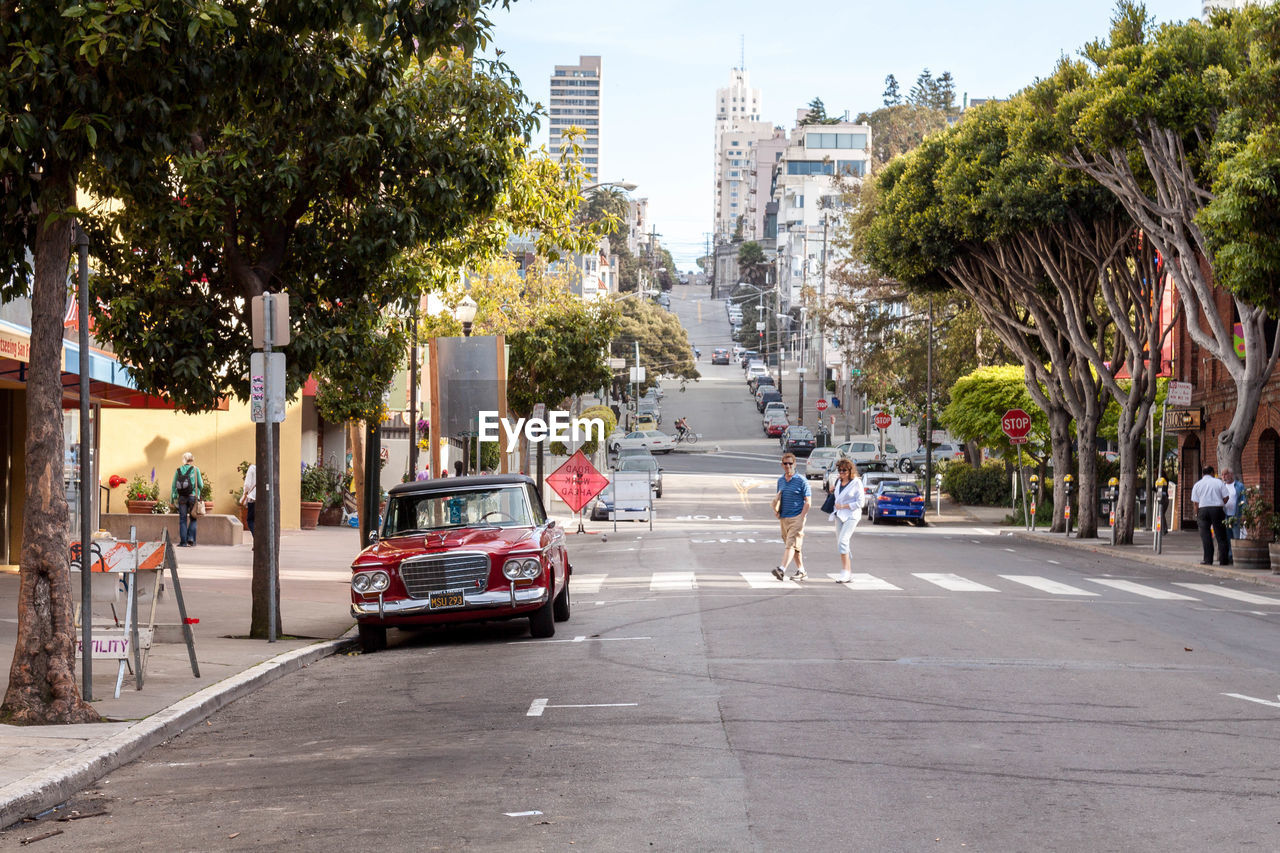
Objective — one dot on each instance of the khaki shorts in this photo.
(793, 531)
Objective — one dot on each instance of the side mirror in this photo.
(373, 537)
(551, 524)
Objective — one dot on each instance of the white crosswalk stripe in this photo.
(1226, 592)
(954, 583)
(665, 581)
(766, 580)
(864, 582)
(712, 582)
(586, 584)
(1143, 590)
(1046, 585)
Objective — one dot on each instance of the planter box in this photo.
(140, 507)
(309, 516)
(1251, 554)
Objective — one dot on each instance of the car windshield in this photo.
(638, 463)
(799, 432)
(897, 487)
(502, 506)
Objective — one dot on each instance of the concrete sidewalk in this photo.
(45, 765)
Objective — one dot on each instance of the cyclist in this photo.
(697, 354)
(682, 427)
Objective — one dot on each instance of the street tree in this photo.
(664, 343)
(978, 403)
(753, 265)
(1179, 123)
(817, 114)
(79, 84)
(340, 134)
(892, 94)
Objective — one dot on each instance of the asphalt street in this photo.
(969, 691)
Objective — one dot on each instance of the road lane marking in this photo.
(523, 814)
(540, 705)
(1140, 589)
(951, 582)
(1238, 595)
(863, 582)
(766, 580)
(672, 580)
(1046, 585)
(582, 639)
(1254, 699)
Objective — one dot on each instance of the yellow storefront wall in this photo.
(135, 441)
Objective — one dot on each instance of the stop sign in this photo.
(1016, 424)
(883, 420)
(821, 404)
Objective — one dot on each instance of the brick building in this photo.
(1213, 398)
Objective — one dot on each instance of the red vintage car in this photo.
(461, 549)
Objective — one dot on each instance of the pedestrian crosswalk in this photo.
(914, 582)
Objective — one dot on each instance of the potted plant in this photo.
(1259, 527)
(314, 490)
(331, 515)
(141, 496)
(206, 492)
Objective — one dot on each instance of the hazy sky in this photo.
(664, 60)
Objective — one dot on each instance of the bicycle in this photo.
(686, 435)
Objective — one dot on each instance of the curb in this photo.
(58, 783)
(1146, 556)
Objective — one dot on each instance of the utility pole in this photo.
(822, 295)
(653, 255)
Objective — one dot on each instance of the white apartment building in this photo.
(737, 128)
(637, 226)
(806, 194)
(575, 102)
(761, 223)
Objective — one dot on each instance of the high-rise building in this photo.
(575, 102)
(737, 129)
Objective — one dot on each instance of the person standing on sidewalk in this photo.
(186, 490)
(850, 495)
(249, 495)
(1232, 508)
(790, 506)
(1210, 495)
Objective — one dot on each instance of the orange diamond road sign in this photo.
(577, 481)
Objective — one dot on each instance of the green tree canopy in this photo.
(664, 343)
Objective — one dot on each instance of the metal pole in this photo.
(1022, 483)
(413, 397)
(822, 296)
(88, 492)
(928, 410)
(804, 345)
(268, 325)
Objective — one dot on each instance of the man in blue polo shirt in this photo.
(791, 505)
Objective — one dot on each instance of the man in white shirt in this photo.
(1210, 496)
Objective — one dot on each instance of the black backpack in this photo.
(186, 482)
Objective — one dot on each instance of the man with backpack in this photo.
(186, 492)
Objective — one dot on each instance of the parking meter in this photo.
(1066, 490)
(937, 491)
(1035, 482)
(1157, 543)
(1113, 495)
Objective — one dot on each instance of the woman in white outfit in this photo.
(849, 496)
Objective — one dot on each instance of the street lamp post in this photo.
(465, 313)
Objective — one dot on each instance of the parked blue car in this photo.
(896, 499)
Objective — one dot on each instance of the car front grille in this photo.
(436, 572)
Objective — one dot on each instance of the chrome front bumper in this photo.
(491, 600)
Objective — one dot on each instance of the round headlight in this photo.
(511, 569)
(360, 582)
(379, 581)
(531, 568)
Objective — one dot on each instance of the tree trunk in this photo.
(1087, 471)
(267, 517)
(42, 678)
(1060, 445)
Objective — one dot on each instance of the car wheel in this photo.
(542, 622)
(373, 638)
(919, 522)
(562, 604)
(659, 493)
(875, 519)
